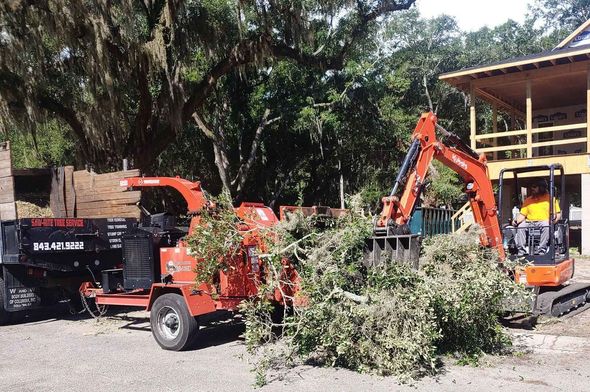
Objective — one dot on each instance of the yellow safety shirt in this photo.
(536, 208)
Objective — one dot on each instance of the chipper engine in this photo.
(547, 271)
(158, 268)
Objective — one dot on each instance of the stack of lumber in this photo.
(101, 196)
(7, 205)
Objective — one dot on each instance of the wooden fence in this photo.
(81, 194)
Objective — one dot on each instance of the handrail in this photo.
(559, 142)
(534, 145)
(498, 135)
(458, 214)
(556, 128)
(519, 132)
(502, 148)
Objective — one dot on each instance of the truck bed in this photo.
(42, 255)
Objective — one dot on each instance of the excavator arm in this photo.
(470, 166)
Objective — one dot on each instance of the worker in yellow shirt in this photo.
(535, 213)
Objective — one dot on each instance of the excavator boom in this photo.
(470, 166)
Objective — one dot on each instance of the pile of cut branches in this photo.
(215, 239)
(390, 320)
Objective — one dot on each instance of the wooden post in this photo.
(514, 138)
(472, 118)
(587, 109)
(495, 128)
(529, 120)
(7, 200)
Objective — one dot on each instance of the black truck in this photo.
(44, 260)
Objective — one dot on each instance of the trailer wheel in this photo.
(173, 327)
(5, 316)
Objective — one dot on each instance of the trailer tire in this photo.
(173, 327)
(5, 316)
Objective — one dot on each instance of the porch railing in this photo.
(504, 142)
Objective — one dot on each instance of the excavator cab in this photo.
(557, 243)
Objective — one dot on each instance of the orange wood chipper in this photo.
(158, 268)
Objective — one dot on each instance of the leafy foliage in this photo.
(445, 188)
(127, 76)
(563, 16)
(343, 84)
(215, 239)
(50, 145)
(388, 320)
(468, 293)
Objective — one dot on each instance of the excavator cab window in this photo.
(539, 242)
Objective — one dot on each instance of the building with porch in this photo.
(539, 115)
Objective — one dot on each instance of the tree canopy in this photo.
(279, 101)
(127, 76)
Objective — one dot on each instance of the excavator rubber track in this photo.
(562, 300)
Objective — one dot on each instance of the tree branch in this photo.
(221, 160)
(245, 167)
(69, 116)
(15, 85)
(143, 117)
(205, 128)
(251, 50)
(245, 52)
(426, 92)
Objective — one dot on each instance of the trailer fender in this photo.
(198, 301)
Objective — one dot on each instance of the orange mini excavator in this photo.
(547, 272)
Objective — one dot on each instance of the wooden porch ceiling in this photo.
(558, 78)
(561, 90)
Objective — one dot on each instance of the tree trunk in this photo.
(222, 164)
(341, 184)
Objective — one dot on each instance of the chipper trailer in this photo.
(547, 273)
(158, 268)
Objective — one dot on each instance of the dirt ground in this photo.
(76, 353)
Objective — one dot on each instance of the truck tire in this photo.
(173, 327)
(5, 317)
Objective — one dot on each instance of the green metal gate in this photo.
(428, 221)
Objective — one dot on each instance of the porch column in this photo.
(512, 138)
(472, 119)
(529, 120)
(585, 214)
(495, 128)
(587, 111)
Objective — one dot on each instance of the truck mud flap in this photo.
(20, 292)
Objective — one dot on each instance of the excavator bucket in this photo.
(386, 249)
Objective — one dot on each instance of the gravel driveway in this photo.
(73, 353)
